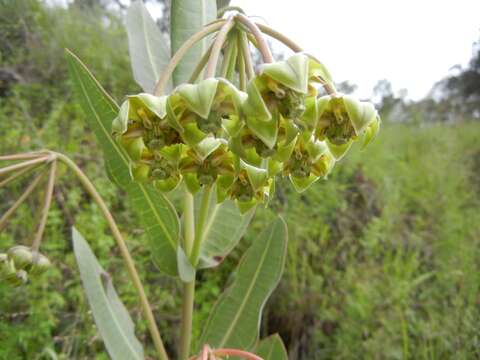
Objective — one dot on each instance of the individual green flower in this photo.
(201, 171)
(341, 119)
(160, 169)
(285, 86)
(310, 161)
(209, 107)
(142, 125)
(252, 149)
(251, 185)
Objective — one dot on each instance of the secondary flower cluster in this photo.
(211, 133)
(20, 262)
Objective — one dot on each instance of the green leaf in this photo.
(187, 18)
(224, 230)
(235, 319)
(157, 215)
(149, 51)
(272, 348)
(112, 319)
(186, 270)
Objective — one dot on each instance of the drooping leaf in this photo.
(148, 47)
(157, 215)
(235, 319)
(112, 319)
(272, 348)
(225, 228)
(187, 18)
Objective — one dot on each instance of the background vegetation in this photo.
(383, 258)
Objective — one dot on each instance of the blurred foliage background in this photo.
(383, 257)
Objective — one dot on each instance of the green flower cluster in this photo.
(211, 133)
(19, 263)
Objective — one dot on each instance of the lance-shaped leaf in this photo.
(148, 47)
(272, 348)
(225, 228)
(112, 319)
(235, 319)
(187, 18)
(156, 214)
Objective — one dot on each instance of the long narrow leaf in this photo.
(187, 18)
(148, 47)
(225, 228)
(157, 215)
(112, 319)
(235, 319)
(272, 348)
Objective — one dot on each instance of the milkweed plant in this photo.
(217, 129)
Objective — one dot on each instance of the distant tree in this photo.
(462, 89)
(346, 87)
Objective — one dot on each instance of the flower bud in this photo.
(7, 268)
(40, 264)
(21, 256)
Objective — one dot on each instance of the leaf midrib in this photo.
(122, 156)
(104, 295)
(249, 291)
(147, 46)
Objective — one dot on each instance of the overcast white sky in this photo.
(413, 43)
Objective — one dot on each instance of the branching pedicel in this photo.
(230, 134)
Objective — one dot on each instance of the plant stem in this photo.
(227, 55)
(207, 30)
(262, 43)
(22, 165)
(146, 309)
(223, 10)
(22, 156)
(217, 48)
(46, 206)
(200, 227)
(188, 297)
(293, 46)
(198, 69)
(280, 37)
(17, 175)
(20, 200)
(242, 75)
(247, 57)
(188, 288)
